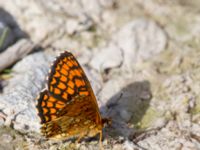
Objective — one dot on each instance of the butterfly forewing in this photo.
(67, 79)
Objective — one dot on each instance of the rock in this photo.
(110, 89)
(1, 121)
(15, 52)
(10, 139)
(107, 3)
(128, 145)
(6, 138)
(168, 137)
(93, 9)
(107, 58)
(140, 40)
(94, 78)
(143, 88)
(18, 101)
(74, 26)
(71, 26)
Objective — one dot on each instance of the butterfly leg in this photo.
(100, 140)
(80, 137)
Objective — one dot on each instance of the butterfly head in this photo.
(106, 122)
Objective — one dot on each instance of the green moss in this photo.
(143, 117)
(148, 118)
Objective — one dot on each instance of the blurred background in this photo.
(141, 57)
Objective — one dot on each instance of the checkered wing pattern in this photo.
(68, 107)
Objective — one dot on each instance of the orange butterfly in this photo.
(68, 107)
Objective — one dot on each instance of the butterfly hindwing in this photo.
(76, 117)
(48, 106)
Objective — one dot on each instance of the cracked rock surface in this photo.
(141, 57)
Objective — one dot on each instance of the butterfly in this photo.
(67, 107)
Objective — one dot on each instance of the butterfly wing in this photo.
(48, 106)
(68, 80)
(77, 117)
(68, 97)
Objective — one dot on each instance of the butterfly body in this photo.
(68, 107)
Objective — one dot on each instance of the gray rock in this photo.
(18, 101)
(94, 78)
(6, 138)
(107, 3)
(139, 45)
(140, 40)
(107, 58)
(92, 9)
(128, 145)
(169, 137)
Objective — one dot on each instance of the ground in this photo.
(141, 57)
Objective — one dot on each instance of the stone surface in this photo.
(107, 58)
(140, 40)
(18, 101)
(142, 58)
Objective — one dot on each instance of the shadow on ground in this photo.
(127, 108)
